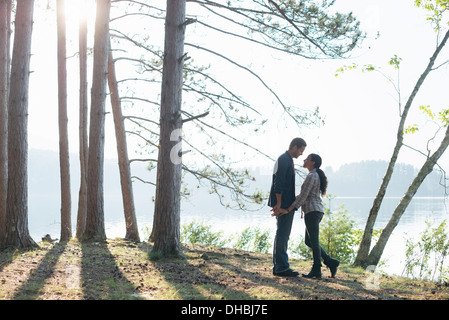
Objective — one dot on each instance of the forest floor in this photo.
(118, 269)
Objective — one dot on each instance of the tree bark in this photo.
(365, 245)
(5, 12)
(83, 147)
(66, 223)
(95, 230)
(166, 225)
(17, 233)
(132, 232)
(376, 252)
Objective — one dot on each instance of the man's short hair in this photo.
(298, 142)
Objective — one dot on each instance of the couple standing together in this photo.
(284, 202)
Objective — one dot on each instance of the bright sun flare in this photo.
(77, 10)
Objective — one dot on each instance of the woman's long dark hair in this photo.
(323, 179)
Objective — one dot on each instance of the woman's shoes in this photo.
(333, 264)
(314, 273)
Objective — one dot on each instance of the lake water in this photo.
(230, 221)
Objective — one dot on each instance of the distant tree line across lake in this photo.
(362, 179)
(359, 179)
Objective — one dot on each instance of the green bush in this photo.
(338, 235)
(424, 259)
(253, 239)
(201, 233)
(250, 239)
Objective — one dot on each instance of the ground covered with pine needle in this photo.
(121, 270)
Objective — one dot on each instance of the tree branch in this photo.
(140, 118)
(144, 181)
(196, 117)
(247, 69)
(282, 12)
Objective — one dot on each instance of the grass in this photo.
(122, 270)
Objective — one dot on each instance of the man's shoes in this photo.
(286, 273)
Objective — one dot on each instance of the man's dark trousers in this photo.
(284, 227)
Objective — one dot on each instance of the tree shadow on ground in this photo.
(32, 287)
(190, 282)
(101, 277)
(237, 275)
(304, 288)
(7, 256)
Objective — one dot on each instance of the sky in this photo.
(360, 109)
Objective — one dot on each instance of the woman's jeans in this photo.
(284, 227)
(312, 238)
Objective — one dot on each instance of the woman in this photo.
(313, 187)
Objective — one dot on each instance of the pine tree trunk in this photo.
(132, 232)
(66, 223)
(17, 233)
(426, 169)
(95, 230)
(83, 147)
(166, 225)
(5, 11)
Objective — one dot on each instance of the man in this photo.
(282, 195)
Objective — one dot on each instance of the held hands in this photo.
(278, 211)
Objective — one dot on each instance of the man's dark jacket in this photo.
(283, 182)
